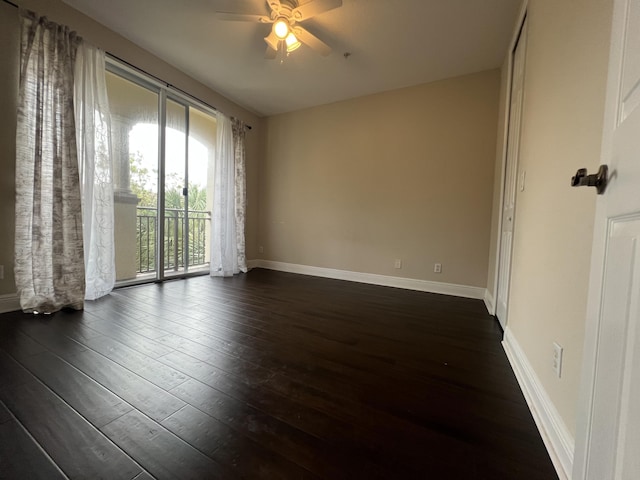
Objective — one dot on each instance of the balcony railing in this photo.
(174, 239)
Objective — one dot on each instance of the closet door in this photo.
(510, 179)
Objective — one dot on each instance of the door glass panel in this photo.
(175, 203)
(134, 123)
(202, 136)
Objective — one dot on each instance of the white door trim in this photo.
(515, 36)
(505, 132)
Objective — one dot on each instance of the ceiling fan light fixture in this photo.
(281, 28)
(292, 42)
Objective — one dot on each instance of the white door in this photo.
(608, 433)
(511, 168)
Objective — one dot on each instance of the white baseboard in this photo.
(557, 438)
(374, 279)
(9, 303)
(253, 264)
(489, 302)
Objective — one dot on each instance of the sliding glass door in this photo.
(135, 125)
(163, 173)
(188, 188)
(176, 200)
(201, 149)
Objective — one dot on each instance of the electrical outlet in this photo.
(437, 268)
(557, 359)
(260, 249)
(1, 272)
(397, 263)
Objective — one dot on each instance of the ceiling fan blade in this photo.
(270, 54)
(312, 41)
(274, 5)
(243, 17)
(245, 12)
(314, 7)
(272, 41)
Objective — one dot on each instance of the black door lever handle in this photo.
(598, 180)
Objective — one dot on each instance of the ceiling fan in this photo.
(286, 35)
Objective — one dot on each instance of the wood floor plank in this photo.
(298, 363)
(133, 323)
(94, 402)
(144, 476)
(22, 457)
(207, 335)
(142, 394)
(54, 340)
(148, 368)
(435, 421)
(12, 375)
(160, 452)
(220, 442)
(5, 414)
(302, 448)
(258, 376)
(72, 323)
(248, 387)
(135, 390)
(77, 447)
(127, 337)
(19, 343)
(276, 375)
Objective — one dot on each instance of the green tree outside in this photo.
(142, 186)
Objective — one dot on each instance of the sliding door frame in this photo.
(165, 92)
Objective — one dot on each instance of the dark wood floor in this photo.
(264, 375)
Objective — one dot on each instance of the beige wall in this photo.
(406, 174)
(113, 43)
(565, 81)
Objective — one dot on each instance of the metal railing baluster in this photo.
(146, 225)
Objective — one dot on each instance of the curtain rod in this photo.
(147, 73)
(165, 83)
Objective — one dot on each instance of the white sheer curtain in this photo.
(229, 200)
(49, 266)
(93, 133)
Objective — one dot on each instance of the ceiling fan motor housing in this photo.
(283, 17)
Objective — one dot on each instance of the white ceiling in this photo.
(393, 44)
